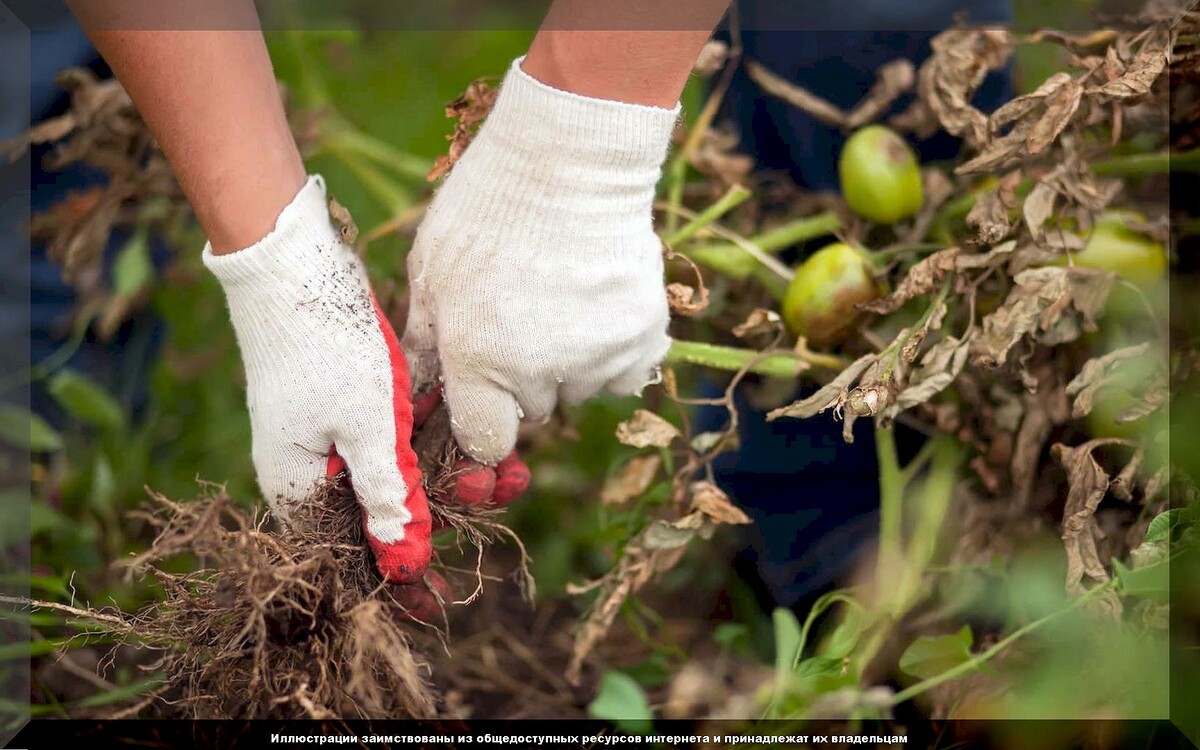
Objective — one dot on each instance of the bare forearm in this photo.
(626, 50)
(211, 101)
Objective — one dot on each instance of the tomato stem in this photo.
(732, 198)
(784, 364)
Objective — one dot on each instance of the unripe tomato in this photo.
(880, 177)
(821, 299)
(1113, 246)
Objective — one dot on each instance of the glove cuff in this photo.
(302, 243)
(540, 120)
(592, 163)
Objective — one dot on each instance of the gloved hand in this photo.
(328, 385)
(536, 274)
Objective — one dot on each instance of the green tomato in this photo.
(880, 176)
(1113, 246)
(821, 300)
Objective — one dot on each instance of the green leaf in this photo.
(44, 519)
(85, 400)
(1150, 582)
(1159, 530)
(787, 643)
(132, 268)
(731, 635)
(622, 701)
(27, 649)
(845, 636)
(819, 665)
(104, 484)
(24, 429)
(930, 656)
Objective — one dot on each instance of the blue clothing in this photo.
(56, 43)
(814, 499)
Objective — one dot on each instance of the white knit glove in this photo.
(324, 369)
(536, 274)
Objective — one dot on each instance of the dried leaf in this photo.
(989, 217)
(1019, 107)
(1097, 373)
(1039, 207)
(716, 155)
(1122, 485)
(470, 110)
(1051, 305)
(1088, 485)
(960, 61)
(631, 481)
(667, 535)
(710, 500)
(794, 95)
(938, 369)
(999, 152)
(713, 56)
(1154, 396)
(647, 429)
(343, 221)
(1060, 107)
(922, 278)
(1143, 71)
(684, 300)
(759, 322)
(891, 80)
(826, 397)
(707, 441)
(992, 257)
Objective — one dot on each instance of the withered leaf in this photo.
(1145, 68)
(1020, 106)
(794, 95)
(999, 152)
(470, 110)
(1097, 373)
(1122, 484)
(989, 217)
(891, 80)
(686, 301)
(922, 278)
(826, 397)
(1088, 485)
(710, 500)
(960, 61)
(631, 481)
(759, 322)
(646, 429)
(985, 260)
(1151, 396)
(1039, 207)
(707, 441)
(343, 221)
(1052, 305)
(938, 369)
(712, 58)
(716, 155)
(669, 535)
(1060, 107)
